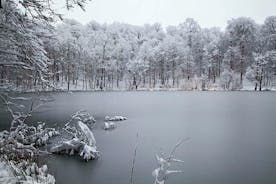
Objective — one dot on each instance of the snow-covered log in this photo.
(75, 145)
(82, 141)
(109, 125)
(115, 118)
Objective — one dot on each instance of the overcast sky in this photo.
(208, 13)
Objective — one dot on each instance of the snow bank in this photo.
(115, 118)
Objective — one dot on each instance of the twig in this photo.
(133, 161)
(177, 145)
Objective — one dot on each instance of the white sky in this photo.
(208, 13)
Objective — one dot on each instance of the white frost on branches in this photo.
(82, 140)
(24, 172)
(164, 163)
(84, 116)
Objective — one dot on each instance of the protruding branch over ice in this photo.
(162, 172)
(82, 141)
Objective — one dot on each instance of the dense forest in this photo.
(36, 54)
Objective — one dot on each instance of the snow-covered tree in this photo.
(241, 33)
(213, 60)
(268, 32)
(137, 69)
(261, 69)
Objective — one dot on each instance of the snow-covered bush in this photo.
(226, 79)
(23, 140)
(38, 136)
(23, 171)
(230, 80)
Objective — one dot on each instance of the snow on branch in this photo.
(24, 171)
(164, 163)
(23, 140)
(81, 141)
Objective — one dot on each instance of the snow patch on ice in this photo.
(109, 125)
(115, 118)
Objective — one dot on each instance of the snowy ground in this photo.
(183, 86)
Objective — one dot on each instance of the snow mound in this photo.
(109, 125)
(115, 118)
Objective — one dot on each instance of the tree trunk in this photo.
(214, 80)
(57, 75)
(68, 77)
(173, 73)
(117, 80)
(134, 81)
(241, 77)
(2, 75)
(260, 83)
(154, 79)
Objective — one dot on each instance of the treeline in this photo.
(122, 56)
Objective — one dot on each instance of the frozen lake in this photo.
(233, 136)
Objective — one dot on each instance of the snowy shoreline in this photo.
(147, 90)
